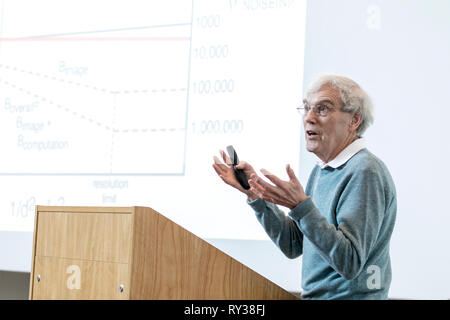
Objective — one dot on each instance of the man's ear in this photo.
(356, 121)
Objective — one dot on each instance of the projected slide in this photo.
(118, 103)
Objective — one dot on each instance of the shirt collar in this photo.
(345, 155)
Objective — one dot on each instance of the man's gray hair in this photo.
(354, 98)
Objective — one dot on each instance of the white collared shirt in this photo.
(345, 155)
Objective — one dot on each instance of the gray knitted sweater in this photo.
(342, 229)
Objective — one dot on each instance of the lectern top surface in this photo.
(84, 209)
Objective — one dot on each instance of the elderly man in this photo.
(343, 221)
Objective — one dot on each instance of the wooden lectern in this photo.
(133, 253)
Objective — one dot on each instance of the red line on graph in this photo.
(39, 39)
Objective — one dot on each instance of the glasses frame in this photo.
(305, 108)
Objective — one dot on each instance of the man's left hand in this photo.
(285, 193)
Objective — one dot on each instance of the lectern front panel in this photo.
(57, 278)
(82, 254)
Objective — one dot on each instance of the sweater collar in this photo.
(345, 155)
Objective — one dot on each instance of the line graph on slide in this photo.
(110, 100)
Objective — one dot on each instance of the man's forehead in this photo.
(326, 92)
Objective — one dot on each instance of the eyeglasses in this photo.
(319, 109)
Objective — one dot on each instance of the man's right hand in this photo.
(226, 173)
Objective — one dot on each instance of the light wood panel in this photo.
(150, 255)
(169, 262)
(84, 235)
(97, 280)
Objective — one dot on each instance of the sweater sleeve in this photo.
(359, 214)
(281, 229)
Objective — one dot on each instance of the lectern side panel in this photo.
(163, 266)
(57, 278)
(170, 262)
(89, 236)
(189, 268)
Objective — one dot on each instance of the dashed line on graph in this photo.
(87, 118)
(91, 87)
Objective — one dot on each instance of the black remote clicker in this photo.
(239, 173)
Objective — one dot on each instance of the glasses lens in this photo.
(321, 110)
(306, 109)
